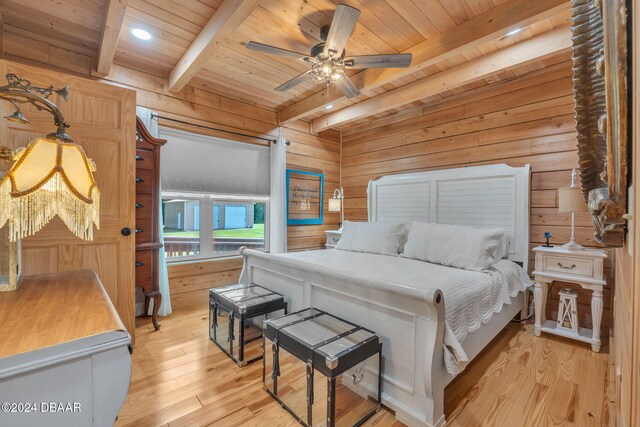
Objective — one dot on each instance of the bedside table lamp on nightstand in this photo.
(570, 200)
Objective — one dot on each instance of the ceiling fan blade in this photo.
(344, 21)
(400, 60)
(347, 87)
(293, 82)
(265, 48)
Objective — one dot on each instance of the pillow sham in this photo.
(371, 237)
(457, 246)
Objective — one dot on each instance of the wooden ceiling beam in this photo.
(485, 27)
(113, 19)
(535, 49)
(226, 19)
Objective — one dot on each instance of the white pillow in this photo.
(371, 237)
(457, 246)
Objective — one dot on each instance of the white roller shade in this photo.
(204, 164)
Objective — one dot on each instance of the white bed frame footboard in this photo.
(409, 321)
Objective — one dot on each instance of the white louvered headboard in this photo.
(481, 196)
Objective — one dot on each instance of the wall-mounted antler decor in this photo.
(599, 30)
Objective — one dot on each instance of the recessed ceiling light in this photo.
(328, 107)
(512, 32)
(141, 34)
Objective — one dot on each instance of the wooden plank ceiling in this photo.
(385, 26)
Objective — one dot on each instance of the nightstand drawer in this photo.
(568, 265)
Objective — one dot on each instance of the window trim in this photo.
(206, 222)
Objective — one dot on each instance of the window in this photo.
(241, 224)
(233, 221)
(181, 227)
(215, 195)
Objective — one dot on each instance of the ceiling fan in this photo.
(327, 59)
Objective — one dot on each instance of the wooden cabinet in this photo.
(147, 208)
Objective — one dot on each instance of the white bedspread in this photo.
(471, 297)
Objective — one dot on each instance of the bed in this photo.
(404, 300)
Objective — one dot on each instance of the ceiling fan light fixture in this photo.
(328, 71)
(328, 59)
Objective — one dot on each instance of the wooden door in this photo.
(102, 119)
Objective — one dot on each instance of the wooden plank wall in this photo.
(316, 154)
(525, 120)
(189, 282)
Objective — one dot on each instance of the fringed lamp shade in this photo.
(52, 176)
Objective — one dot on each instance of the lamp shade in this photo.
(334, 204)
(52, 176)
(570, 200)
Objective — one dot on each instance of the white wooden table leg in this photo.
(596, 315)
(538, 302)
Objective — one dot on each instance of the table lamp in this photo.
(335, 204)
(570, 200)
(51, 177)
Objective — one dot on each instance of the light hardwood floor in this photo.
(180, 378)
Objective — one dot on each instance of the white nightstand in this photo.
(584, 268)
(332, 238)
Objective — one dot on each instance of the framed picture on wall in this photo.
(305, 197)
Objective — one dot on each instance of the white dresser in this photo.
(64, 353)
(332, 238)
(582, 268)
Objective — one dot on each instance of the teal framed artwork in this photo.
(305, 197)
